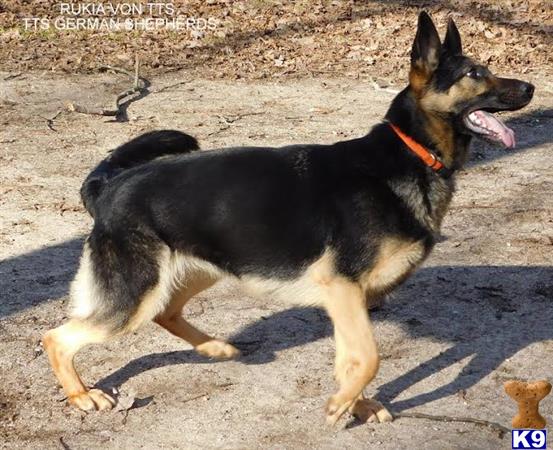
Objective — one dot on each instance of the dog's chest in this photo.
(428, 203)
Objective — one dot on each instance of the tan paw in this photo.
(218, 349)
(335, 408)
(369, 410)
(91, 400)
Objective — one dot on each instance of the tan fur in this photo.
(435, 104)
(61, 345)
(442, 135)
(181, 277)
(395, 260)
(465, 89)
(176, 271)
(370, 410)
(171, 319)
(418, 78)
(357, 359)
(305, 290)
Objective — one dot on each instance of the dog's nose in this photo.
(527, 89)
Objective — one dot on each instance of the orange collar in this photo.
(427, 157)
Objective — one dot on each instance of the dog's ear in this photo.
(452, 41)
(426, 48)
(425, 53)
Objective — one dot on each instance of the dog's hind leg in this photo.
(171, 318)
(61, 345)
(357, 357)
(116, 287)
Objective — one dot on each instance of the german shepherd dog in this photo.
(331, 225)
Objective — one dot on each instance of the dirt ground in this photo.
(478, 313)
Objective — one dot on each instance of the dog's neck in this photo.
(429, 204)
(433, 131)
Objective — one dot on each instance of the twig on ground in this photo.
(499, 429)
(50, 121)
(207, 394)
(13, 75)
(237, 117)
(136, 77)
(169, 86)
(231, 119)
(224, 385)
(63, 444)
(196, 397)
(6, 102)
(474, 207)
(138, 88)
(220, 130)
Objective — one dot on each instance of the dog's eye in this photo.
(475, 74)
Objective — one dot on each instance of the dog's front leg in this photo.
(356, 353)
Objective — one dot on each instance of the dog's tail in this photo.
(140, 150)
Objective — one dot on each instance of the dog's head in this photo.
(457, 94)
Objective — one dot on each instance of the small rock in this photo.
(125, 401)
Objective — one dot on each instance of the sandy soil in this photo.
(478, 313)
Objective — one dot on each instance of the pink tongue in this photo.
(504, 133)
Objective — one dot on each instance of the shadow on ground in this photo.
(38, 276)
(492, 302)
(466, 306)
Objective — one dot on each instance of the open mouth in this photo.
(488, 126)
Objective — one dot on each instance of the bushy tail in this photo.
(140, 150)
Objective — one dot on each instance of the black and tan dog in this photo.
(331, 225)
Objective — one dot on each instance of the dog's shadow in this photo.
(487, 312)
(259, 343)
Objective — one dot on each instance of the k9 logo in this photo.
(529, 439)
